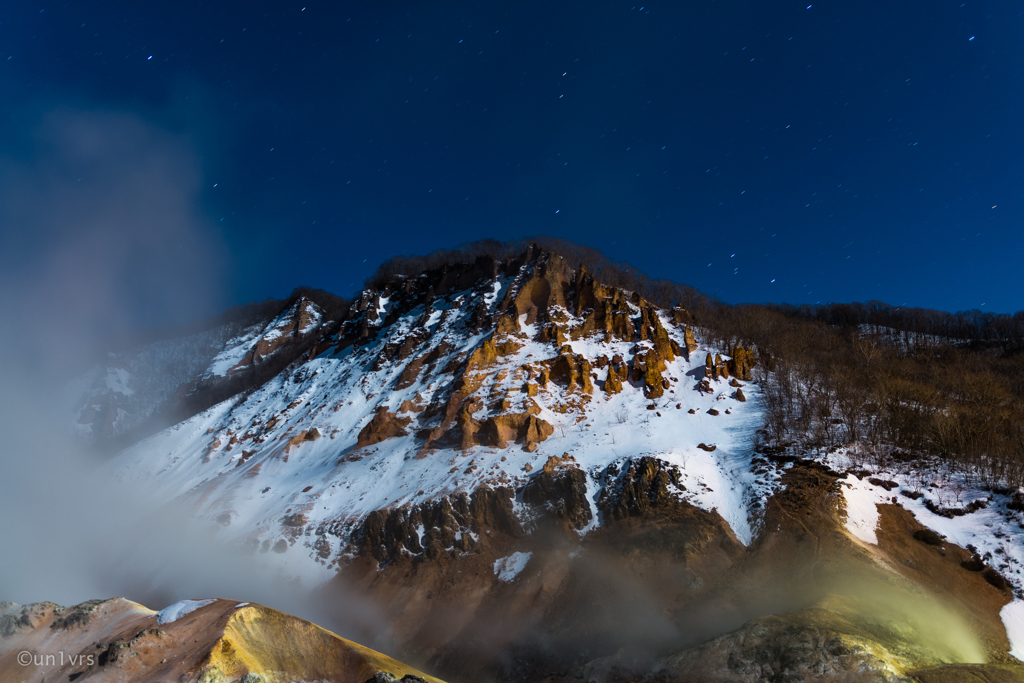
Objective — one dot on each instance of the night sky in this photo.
(758, 151)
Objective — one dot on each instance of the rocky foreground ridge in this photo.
(543, 478)
(199, 641)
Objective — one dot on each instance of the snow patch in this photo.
(861, 509)
(179, 609)
(508, 568)
(1012, 615)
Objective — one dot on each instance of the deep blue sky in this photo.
(759, 151)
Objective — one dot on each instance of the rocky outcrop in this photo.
(383, 425)
(691, 343)
(526, 428)
(618, 372)
(648, 365)
(482, 357)
(559, 490)
(741, 363)
(451, 524)
(302, 437)
(605, 310)
(642, 487)
(720, 368)
(546, 287)
(788, 648)
(302, 318)
(571, 370)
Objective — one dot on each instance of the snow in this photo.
(1012, 615)
(179, 609)
(233, 353)
(861, 509)
(236, 349)
(118, 380)
(508, 568)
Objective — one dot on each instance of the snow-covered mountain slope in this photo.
(112, 399)
(257, 343)
(432, 390)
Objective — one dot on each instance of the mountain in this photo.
(542, 474)
(143, 387)
(210, 641)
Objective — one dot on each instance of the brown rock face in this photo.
(617, 372)
(709, 367)
(651, 328)
(545, 288)
(484, 356)
(560, 492)
(524, 428)
(301, 319)
(647, 368)
(507, 324)
(680, 316)
(387, 535)
(720, 369)
(640, 489)
(741, 363)
(691, 343)
(602, 308)
(572, 371)
(309, 435)
(384, 425)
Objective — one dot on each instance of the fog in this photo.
(102, 232)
